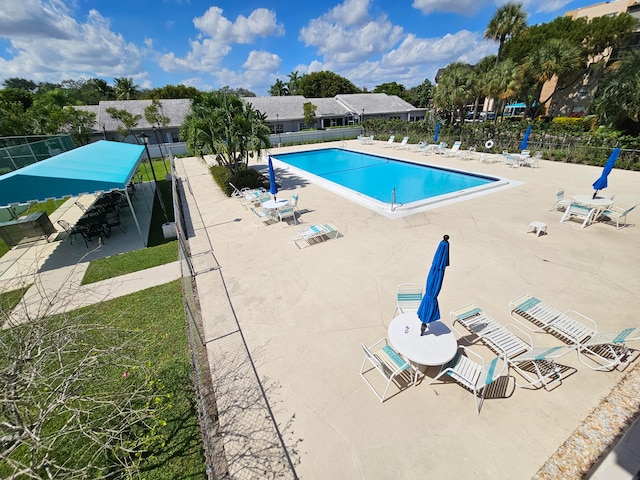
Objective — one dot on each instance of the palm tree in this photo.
(294, 83)
(223, 125)
(502, 83)
(617, 102)
(278, 89)
(508, 21)
(125, 88)
(556, 57)
(455, 88)
(480, 73)
(105, 91)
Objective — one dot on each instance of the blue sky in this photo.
(247, 43)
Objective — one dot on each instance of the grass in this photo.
(152, 322)
(8, 300)
(105, 268)
(157, 314)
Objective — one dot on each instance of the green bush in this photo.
(245, 177)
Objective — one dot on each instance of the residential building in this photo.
(576, 101)
(284, 114)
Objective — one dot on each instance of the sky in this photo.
(247, 43)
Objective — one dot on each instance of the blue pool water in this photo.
(376, 176)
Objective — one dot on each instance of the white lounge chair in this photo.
(402, 144)
(314, 234)
(536, 365)
(617, 214)
(408, 297)
(453, 150)
(579, 211)
(609, 349)
(562, 202)
(472, 373)
(294, 202)
(388, 363)
(389, 143)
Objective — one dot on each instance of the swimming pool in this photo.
(388, 184)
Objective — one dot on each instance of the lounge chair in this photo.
(388, 363)
(607, 349)
(536, 365)
(441, 148)
(510, 160)
(453, 150)
(472, 373)
(562, 202)
(294, 202)
(616, 213)
(579, 211)
(402, 144)
(408, 297)
(314, 234)
(389, 143)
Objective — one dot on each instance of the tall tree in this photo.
(421, 96)
(225, 126)
(325, 85)
(309, 110)
(125, 89)
(278, 89)
(455, 89)
(20, 84)
(617, 102)
(390, 88)
(508, 21)
(294, 83)
(174, 91)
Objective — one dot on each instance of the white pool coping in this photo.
(401, 210)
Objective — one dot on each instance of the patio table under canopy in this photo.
(102, 166)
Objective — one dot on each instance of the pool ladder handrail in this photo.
(393, 199)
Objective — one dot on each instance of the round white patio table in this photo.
(437, 346)
(598, 202)
(271, 204)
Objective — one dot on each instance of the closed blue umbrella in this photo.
(601, 182)
(273, 186)
(525, 139)
(429, 311)
(437, 134)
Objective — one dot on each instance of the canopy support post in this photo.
(135, 218)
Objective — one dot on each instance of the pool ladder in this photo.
(393, 199)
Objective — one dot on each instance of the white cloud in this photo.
(462, 7)
(262, 61)
(48, 44)
(351, 38)
(549, 6)
(217, 35)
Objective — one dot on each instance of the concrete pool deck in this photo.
(303, 314)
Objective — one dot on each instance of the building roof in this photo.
(174, 109)
(282, 108)
(98, 167)
(375, 103)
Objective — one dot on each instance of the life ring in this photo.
(489, 144)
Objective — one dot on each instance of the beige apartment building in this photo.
(576, 101)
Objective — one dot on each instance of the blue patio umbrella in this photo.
(437, 134)
(601, 182)
(429, 311)
(525, 139)
(273, 186)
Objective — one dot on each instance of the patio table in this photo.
(599, 203)
(437, 346)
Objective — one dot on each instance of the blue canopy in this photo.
(437, 134)
(601, 182)
(429, 311)
(102, 166)
(273, 186)
(525, 140)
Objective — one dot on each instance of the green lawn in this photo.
(105, 268)
(150, 325)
